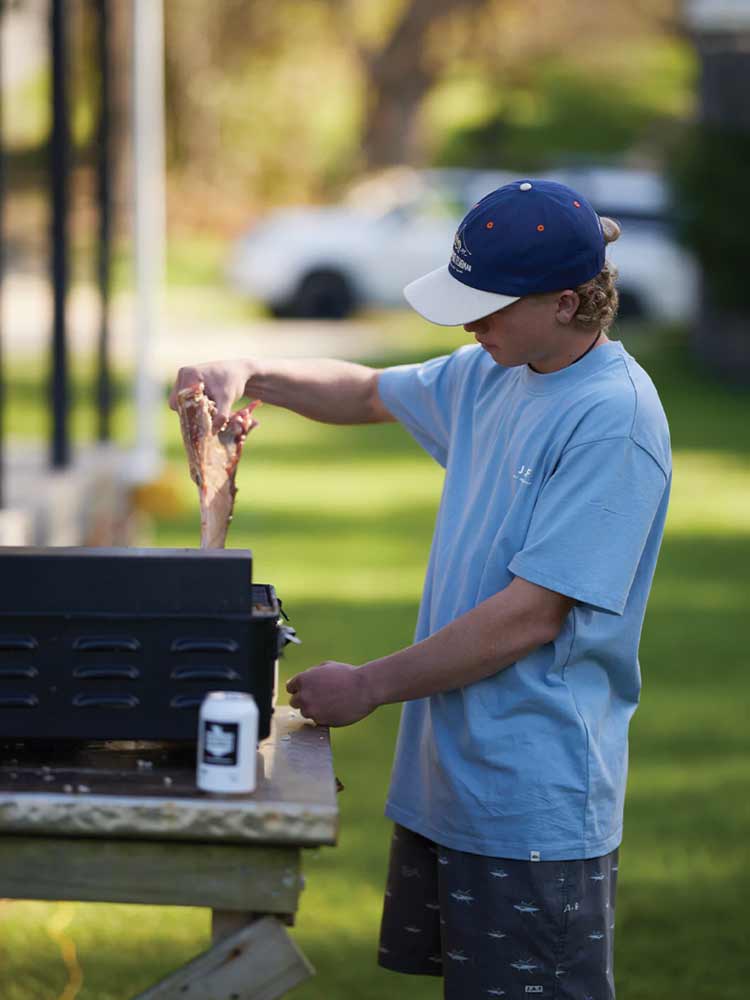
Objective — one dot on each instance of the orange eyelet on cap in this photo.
(577, 204)
(490, 225)
(540, 229)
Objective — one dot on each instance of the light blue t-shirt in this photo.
(562, 479)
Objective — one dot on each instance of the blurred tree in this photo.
(578, 113)
(283, 100)
(507, 44)
(709, 168)
(260, 102)
(398, 76)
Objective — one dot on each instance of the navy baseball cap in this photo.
(525, 238)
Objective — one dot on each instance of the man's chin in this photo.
(498, 357)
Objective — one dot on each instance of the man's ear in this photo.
(567, 306)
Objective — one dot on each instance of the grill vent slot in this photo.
(9, 642)
(204, 674)
(204, 646)
(107, 673)
(18, 701)
(107, 644)
(185, 701)
(18, 672)
(106, 701)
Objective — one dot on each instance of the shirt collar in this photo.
(539, 384)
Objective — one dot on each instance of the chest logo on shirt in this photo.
(523, 475)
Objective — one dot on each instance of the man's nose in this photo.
(476, 326)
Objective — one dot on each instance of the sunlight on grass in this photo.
(663, 778)
(665, 868)
(710, 493)
(699, 595)
(380, 487)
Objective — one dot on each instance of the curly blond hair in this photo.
(598, 295)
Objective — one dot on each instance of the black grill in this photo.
(113, 644)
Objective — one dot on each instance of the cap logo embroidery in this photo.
(460, 250)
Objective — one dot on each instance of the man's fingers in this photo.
(185, 377)
(222, 401)
(219, 423)
(291, 685)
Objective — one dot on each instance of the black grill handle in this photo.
(286, 635)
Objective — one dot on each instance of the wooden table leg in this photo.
(255, 961)
(226, 922)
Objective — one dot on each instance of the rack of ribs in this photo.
(213, 458)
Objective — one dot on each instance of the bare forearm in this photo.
(325, 389)
(490, 637)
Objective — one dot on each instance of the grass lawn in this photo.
(340, 521)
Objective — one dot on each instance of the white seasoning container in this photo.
(227, 742)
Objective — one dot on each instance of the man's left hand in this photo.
(332, 694)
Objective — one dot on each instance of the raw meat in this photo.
(213, 458)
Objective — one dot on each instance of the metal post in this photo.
(104, 166)
(2, 270)
(148, 151)
(59, 163)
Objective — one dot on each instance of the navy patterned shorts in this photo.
(498, 927)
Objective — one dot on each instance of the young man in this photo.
(509, 777)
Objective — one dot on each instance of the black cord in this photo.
(589, 348)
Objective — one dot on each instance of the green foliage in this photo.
(562, 110)
(262, 100)
(709, 170)
(26, 112)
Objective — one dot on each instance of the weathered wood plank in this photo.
(258, 962)
(225, 877)
(104, 792)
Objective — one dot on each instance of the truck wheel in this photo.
(631, 306)
(324, 295)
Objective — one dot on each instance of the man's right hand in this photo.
(325, 389)
(223, 381)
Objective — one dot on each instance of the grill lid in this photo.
(125, 581)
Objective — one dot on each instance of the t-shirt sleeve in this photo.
(591, 522)
(421, 398)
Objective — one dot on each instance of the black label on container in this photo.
(220, 743)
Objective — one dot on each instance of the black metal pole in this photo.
(2, 274)
(59, 165)
(104, 166)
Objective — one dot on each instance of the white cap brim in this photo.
(444, 300)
